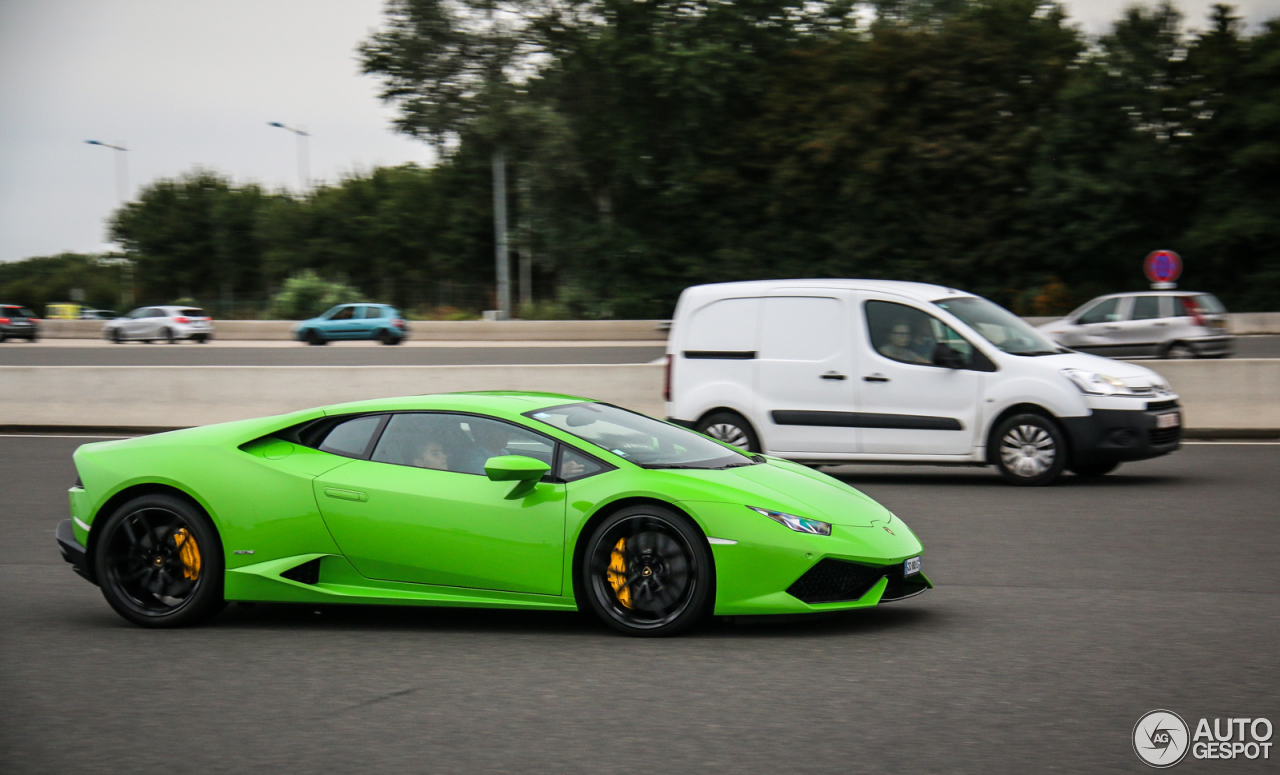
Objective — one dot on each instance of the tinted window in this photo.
(1104, 311)
(191, 312)
(344, 314)
(1145, 308)
(26, 313)
(456, 442)
(574, 465)
(998, 326)
(1209, 303)
(371, 313)
(909, 335)
(352, 437)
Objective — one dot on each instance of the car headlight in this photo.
(798, 524)
(1095, 384)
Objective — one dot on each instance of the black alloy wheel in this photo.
(386, 337)
(647, 571)
(115, 336)
(159, 562)
(169, 337)
(1179, 351)
(1094, 470)
(315, 338)
(1029, 450)
(731, 428)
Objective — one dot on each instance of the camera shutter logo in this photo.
(1161, 738)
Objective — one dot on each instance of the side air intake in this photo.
(306, 573)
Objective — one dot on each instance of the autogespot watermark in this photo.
(1162, 739)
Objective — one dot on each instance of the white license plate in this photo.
(1169, 420)
(912, 565)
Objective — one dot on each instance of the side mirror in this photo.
(524, 471)
(943, 355)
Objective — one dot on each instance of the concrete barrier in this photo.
(1229, 395)
(1235, 397)
(440, 330)
(179, 396)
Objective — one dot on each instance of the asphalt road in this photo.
(346, 354)
(1060, 617)
(413, 353)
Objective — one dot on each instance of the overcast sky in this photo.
(186, 84)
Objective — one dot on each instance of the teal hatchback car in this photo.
(354, 321)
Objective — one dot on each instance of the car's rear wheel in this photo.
(169, 337)
(159, 562)
(1179, 351)
(1030, 450)
(314, 337)
(731, 428)
(647, 571)
(386, 337)
(1094, 470)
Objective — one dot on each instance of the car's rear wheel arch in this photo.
(603, 513)
(128, 494)
(993, 444)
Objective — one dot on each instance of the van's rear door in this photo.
(806, 372)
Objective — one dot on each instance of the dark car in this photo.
(18, 323)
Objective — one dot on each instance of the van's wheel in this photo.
(1094, 470)
(159, 562)
(647, 571)
(1030, 450)
(731, 428)
(1179, 351)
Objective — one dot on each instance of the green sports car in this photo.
(500, 499)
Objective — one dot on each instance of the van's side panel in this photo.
(714, 344)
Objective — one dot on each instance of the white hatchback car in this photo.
(841, 371)
(166, 323)
(1149, 324)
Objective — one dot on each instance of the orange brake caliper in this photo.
(189, 552)
(618, 573)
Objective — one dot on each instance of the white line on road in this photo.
(56, 436)
(1234, 443)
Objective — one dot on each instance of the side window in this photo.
(372, 312)
(574, 465)
(1145, 308)
(456, 442)
(1105, 311)
(801, 328)
(344, 314)
(352, 437)
(909, 335)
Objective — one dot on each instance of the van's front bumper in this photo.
(1119, 435)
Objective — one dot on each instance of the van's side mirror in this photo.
(524, 471)
(944, 356)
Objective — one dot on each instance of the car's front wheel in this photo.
(159, 562)
(315, 338)
(731, 428)
(647, 571)
(1030, 450)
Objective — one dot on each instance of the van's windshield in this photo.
(999, 326)
(643, 440)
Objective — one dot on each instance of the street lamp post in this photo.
(304, 175)
(122, 168)
(122, 193)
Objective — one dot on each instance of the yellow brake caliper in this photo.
(189, 552)
(618, 573)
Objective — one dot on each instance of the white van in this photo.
(840, 371)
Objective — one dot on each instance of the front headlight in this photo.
(1095, 384)
(798, 524)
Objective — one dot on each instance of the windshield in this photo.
(999, 326)
(642, 440)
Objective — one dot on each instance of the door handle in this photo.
(877, 377)
(346, 495)
(1113, 328)
(1160, 325)
(833, 375)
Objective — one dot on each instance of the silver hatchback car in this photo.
(167, 323)
(1149, 324)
